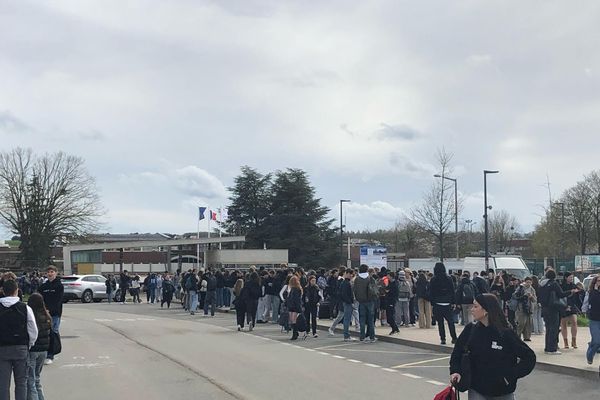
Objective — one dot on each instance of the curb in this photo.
(540, 365)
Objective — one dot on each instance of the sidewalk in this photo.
(571, 362)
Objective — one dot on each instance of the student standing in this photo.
(294, 304)
(18, 334)
(52, 291)
(442, 299)
(312, 299)
(37, 354)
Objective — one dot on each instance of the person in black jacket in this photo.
(498, 357)
(294, 304)
(312, 299)
(391, 296)
(591, 306)
(52, 291)
(480, 282)
(465, 294)
(254, 291)
(37, 354)
(550, 293)
(422, 294)
(441, 291)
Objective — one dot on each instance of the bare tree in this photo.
(593, 184)
(503, 227)
(46, 197)
(435, 214)
(578, 215)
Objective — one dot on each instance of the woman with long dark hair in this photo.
(37, 354)
(498, 357)
(294, 303)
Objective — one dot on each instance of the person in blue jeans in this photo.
(52, 291)
(592, 307)
(366, 293)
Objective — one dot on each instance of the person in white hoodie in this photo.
(16, 338)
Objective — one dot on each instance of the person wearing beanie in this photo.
(402, 317)
(498, 357)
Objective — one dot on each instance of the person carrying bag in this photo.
(495, 358)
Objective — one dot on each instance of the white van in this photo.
(513, 265)
(427, 264)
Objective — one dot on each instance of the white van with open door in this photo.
(513, 265)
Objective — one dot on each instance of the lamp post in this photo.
(562, 229)
(455, 208)
(485, 216)
(342, 229)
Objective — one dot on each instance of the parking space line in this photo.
(353, 361)
(389, 370)
(412, 376)
(373, 365)
(334, 346)
(421, 362)
(339, 357)
(323, 353)
(437, 383)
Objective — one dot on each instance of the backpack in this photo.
(211, 283)
(468, 294)
(14, 325)
(322, 283)
(188, 283)
(513, 303)
(544, 295)
(403, 290)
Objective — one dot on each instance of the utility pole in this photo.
(342, 229)
(485, 217)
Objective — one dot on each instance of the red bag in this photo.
(450, 393)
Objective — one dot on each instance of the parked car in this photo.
(86, 288)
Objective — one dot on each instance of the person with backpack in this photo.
(402, 317)
(442, 297)
(111, 286)
(37, 354)
(391, 296)
(465, 294)
(168, 288)
(192, 286)
(422, 295)
(18, 334)
(549, 297)
(366, 293)
(525, 298)
(498, 358)
(210, 300)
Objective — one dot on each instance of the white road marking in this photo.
(307, 349)
(323, 353)
(389, 370)
(340, 357)
(373, 365)
(103, 357)
(437, 383)
(78, 358)
(353, 361)
(88, 365)
(126, 319)
(412, 376)
(102, 320)
(145, 319)
(421, 362)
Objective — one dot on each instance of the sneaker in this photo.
(590, 362)
(330, 332)
(443, 342)
(413, 325)
(192, 313)
(527, 340)
(553, 353)
(315, 336)
(48, 361)
(373, 340)
(239, 328)
(347, 339)
(250, 327)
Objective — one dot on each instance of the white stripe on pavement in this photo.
(373, 365)
(389, 370)
(412, 376)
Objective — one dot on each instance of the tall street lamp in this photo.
(455, 207)
(342, 229)
(562, 229)
(485, 216)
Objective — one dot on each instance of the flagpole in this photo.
(220, 222)
(198, 244)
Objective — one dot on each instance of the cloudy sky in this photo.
(165, 100)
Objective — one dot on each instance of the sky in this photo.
(165, 101)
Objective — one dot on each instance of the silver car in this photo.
(87, 288)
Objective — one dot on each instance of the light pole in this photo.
(455, 208)
(342, 229)
(485, 216)
(562, 229)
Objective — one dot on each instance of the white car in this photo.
(86, 288)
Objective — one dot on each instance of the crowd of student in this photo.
(294, 299)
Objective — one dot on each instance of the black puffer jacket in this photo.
(441, 289)
(43, 340)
